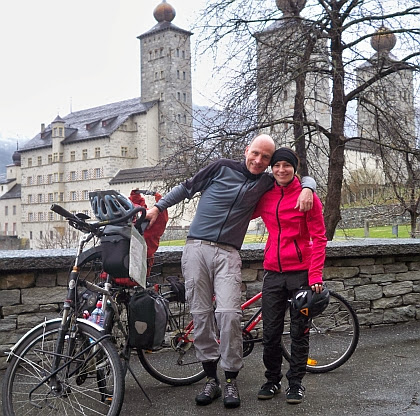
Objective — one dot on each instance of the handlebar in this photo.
(81, 224)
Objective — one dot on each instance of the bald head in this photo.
(258, 153)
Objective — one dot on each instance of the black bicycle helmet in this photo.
(107, 205)
(310, 303)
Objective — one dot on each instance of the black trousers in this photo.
(278, 288)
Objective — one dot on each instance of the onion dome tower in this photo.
(165, 53)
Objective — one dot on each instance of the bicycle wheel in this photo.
(333, 336)
(90, 382)
(175, 363)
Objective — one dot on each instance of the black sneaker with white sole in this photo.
(268, 390)
(295, 393)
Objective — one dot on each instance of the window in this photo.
(73, 196)
(39, 160)
(156, 75)
(56, 177)
(6, 228)
(51, 216)
(177, 53)
(183, 54)
(49, 178)
(39, 180)
(183, 75)
(72, 156)
(161, 96)
(97, 152)
(40, 216)
(39, 198)
(178, 96)
(30, 216)
(50, 159)
(30, 199)
(61, 177)
(184, 97)
(84, 154)
(51, 235)
(124, 151)
(55, 157)
(61, 157)
(85, 195)
(14, 209)
(40, 235)
(97, 172)
(6, 210)
(85, 174)
(60, 131)
(177, 73)
(73, 175)
(150, 55)
(29, 180)
(161, 74)
(61, 197)
(29, 162)
(50, 197)
(179, 118)
(30, 235)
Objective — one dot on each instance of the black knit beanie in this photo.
(287, 155)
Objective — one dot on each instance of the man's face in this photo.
(258, 155)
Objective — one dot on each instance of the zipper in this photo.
(279, 233)
(298, 251)
(230, 210)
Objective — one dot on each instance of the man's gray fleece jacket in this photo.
(229, 194)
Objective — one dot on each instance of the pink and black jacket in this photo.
(296, 240)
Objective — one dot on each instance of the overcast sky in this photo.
(57, 56)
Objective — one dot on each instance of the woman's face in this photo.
(283, 172)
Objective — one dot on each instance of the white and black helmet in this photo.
(107, 205)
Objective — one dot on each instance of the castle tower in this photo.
(165, 54)
(393, 94)
(280, 53)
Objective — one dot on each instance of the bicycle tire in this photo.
(93, 385)
(175, 363)
(334, 336)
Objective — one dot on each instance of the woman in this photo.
(293, 259)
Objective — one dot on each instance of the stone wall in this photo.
(381, 279)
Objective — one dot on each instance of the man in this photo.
(211, 263)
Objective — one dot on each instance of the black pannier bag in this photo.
(116, 250)
(147, 320)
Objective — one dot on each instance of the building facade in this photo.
(85, 150)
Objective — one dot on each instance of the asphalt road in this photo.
(382, 378)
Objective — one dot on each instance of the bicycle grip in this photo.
(61, 211)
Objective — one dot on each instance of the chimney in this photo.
(42, 127)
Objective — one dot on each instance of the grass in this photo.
(374, 232)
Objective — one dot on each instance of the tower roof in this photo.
(164, 12)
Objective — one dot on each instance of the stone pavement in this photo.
(382, 378)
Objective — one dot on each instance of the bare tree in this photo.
(59, 237)
(307, 56)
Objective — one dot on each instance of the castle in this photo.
(118, 145)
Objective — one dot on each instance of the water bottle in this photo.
(98, 315)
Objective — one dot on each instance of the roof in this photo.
(5, 181)
(161, 27)
(91, 123)
(137, 174)
(13, 193)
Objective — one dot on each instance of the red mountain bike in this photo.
(333, 338)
